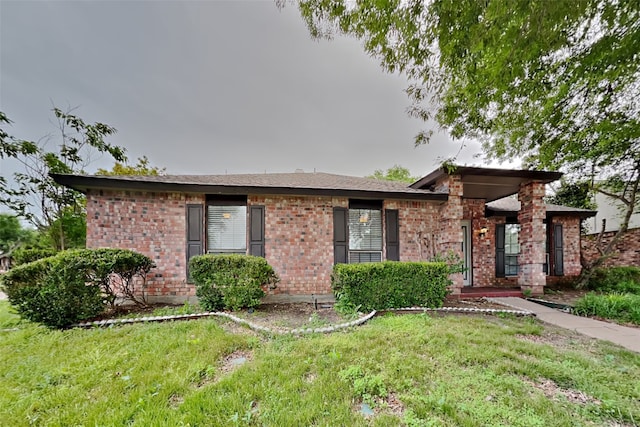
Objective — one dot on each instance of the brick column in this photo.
(450, 230)
(532, 237)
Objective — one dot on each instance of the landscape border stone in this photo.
(299, 331)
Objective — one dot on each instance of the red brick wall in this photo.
(570, 243)
(532, 237)
(418, 224)
(627, 248)
(150, 223)
(299, 241)
(449, 233)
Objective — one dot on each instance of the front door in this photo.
(466, 253)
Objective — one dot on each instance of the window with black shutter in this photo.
(194, 232)
(392, 234)
(558, 251)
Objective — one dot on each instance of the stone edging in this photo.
(297, 331)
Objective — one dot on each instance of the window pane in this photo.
(511, 249)
(365, 229)
(358, 257)
(227, 229)
(511, 245)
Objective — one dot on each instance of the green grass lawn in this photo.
(414, 370)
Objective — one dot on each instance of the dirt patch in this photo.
(234, 361)
(292, 316)
(564, 296)
(474, 303)
(561, 339)
(551, 390)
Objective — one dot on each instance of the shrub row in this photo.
(24, 256)
(230, 281)
(615, 279)
(620, 307)
(75, 285)
(389, 284)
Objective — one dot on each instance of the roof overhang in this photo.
(488, 183)
(85, 183)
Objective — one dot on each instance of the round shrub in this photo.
(50, 292)
(230, 281)
(75, 285)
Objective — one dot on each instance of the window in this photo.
(511, 249)
(227, 228)
(365, 235)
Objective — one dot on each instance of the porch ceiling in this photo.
(488, 183)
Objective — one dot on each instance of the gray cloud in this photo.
(209, 87)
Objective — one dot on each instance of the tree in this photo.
(35, 196)
(394, 173)
(577, 194)
(555, 83)
(142, 167)
(12, 234)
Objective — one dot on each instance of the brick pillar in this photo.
(450, 230)
(532, 237)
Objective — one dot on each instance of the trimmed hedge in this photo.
(615, 279)
(390, 284)
(230, 281)
(75, 285)
(25, 256)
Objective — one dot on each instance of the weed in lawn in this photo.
(365, 386)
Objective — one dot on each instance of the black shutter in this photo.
(340, 235)
(256, 231)
(558, 255)
(194, 232)
(392, 229)
(500, 250)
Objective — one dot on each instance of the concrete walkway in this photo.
(624, 336)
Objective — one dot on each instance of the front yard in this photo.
(414, 370)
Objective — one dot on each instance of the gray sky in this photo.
(209, 87)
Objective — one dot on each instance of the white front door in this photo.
(466, 253)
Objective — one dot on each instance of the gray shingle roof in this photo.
(289, 183)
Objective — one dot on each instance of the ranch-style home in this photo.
(304, 223)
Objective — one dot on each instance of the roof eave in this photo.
(86, 183)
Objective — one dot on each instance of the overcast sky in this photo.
(209, 87)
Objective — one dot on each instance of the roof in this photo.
(488, 183)
(509, 206)
(299, 183)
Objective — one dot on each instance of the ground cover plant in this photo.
(414, 370)
(623, 308)
(615, 295)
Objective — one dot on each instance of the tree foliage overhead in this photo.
(549, 81)
(394, 173)
(34, 195)
(555, 83)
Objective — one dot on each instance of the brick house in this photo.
(304, 223)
